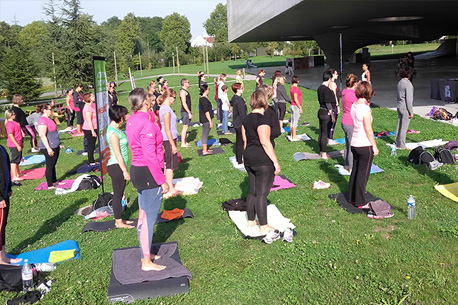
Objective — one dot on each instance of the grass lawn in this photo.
(336, 257)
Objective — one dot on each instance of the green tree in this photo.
(176, 32)
(127, 35)
(34, 36)
(19, 73)
(216, 25)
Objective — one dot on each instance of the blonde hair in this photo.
(268, 90)
(165, 95)
(9, 113)
(281, 80)
(258, 99)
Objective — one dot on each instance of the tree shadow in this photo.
(191, 135)
(183, 166)
(424, 170)
(332, 174)
(51, 225)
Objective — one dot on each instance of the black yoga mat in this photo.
(343, 199)
(215, 151)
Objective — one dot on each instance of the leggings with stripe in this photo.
(149, 204)
(3, 221)
(362, 162)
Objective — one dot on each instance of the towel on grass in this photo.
(304, 137)
(312, 156)
(424, 144)
(33, 174)
(389, 134)
(215, 151)
(64, 184)
(33, 159)
(234, 163)
(188, 185)
(343, 172)
(281, 182)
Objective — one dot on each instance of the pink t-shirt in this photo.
(13, 127)
(293, 90)
(89, 108)
(348, 98)
(359, 137)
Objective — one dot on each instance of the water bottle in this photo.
(411, 209)
(393, 150)
(27, 276)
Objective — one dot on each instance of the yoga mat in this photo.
(304, 137)
(34, 173)
(33, 159)
(210, 142)
(235, 164)
(64, 184)
(42, 255)
(80, 152)
(78, 134)
(343, 172)
(281, 182)
(128, 293)
(311, 156)
(342, 140)
(287, 129)
(343, 199)
(215, 151)
(102, 226)
(220, 133)
(448, 190)
(274, 218)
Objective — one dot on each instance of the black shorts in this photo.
(16, 155)
(185, 118)
(171, 160)
(79, 117)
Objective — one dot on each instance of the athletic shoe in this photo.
(319, 185)
(84, 153)
(271, 236)
(15, 183)
(288, 235)
(364, 207)
(305, 124)
(35, 150)
(373, 216)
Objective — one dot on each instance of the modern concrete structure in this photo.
(361, 22)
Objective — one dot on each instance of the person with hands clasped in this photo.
(205, 117)
(186, 114)
(15, 145)
(90, 125)
(363, 144)
(296, 106)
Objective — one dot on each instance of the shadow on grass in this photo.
(165, 229)
(192, 135)
(51, 225)
(437, 176)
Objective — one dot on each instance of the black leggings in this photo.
(362, 161)
(261, 181)
(90, 144)
(51, 162)
(238, 145)
(325, 126)
(70, 117)
(3, 220)
(119, 184)
(281, 111)
(333, 125)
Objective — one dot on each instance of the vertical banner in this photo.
(132, 81)
(102, 104)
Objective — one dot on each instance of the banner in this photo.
(132, 81)
(102, 104)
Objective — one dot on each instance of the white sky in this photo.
(197, 11)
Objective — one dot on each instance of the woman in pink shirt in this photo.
(15, 144)
(348, 98)
(49, 144)
(146, 172)
(71, 109)
(296, 106)
(90, 125)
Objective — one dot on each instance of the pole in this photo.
(54, 71)
(140, 58)
(116, 68)
(208, 69)
(178, 62)
(203, 59)
(173, 61)
(341, 60)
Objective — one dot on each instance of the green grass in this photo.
(336, 258)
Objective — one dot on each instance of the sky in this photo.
(197, 11)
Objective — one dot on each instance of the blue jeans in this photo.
(225, 120)
(149, 204)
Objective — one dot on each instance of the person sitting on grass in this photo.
(15, 145)
(205, 117)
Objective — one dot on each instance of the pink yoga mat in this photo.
(64, 184)
(281, 182)
(77, 134)
(34, 173)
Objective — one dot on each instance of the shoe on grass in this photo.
(271, 236)
(288, 235)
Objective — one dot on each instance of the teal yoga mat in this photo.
(42, 255)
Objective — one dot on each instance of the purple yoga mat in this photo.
(64, 184)
(281, 182)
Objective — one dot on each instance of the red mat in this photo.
(32, 174)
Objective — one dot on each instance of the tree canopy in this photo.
(176, 32)
(216, 25)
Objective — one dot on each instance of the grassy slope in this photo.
(336, 258)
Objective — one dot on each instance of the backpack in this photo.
(89, 183)
(10, 278)
(442, 114)
(102, 200)
(444, 155)
(420, 156)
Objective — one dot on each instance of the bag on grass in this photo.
(89, 183)
(10, 278)
(444, 155)
(235, 204)
(102, 200)
(442, 114)
(420, 156)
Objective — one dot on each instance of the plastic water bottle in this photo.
(393, 150)
(411, 209)
(27, 276)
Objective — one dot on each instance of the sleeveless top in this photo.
(188, 101)
(363, 76)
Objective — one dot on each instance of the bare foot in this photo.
(9, 261)
(252, 223)
(120, 224)
(186, 145)
(148, 265)
(208, 152)
(265, 228)
(297, 138)
(324, 156)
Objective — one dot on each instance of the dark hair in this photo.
(69, 89)
(44, 107)
(295, 79)
(159, 78)
(78, 85)
(236, 86)
(351, 80)
(183, 81)
(327, 75)
(332, 71)
(136, 98)
(224, 87)
(364, 90)
(16, 98)
(149, 87)
(117, 113)
(258, 99)
(87, 97)
(405, 72)
(203, 88)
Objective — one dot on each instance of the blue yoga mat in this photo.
(342, 140)
(33, 159)
(343, 172)
(287, 129)
(209, 142)
(42, 255)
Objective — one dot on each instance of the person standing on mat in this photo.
(404, 106)
(205, 117)
(296, 106)
(219, 102)
(49, 144)
(282, 98)
(170, 137)
(146, 172)
(326, 99)
(79, 104)
(271, 115)
(226, 108)
(261, 164)
(348, 98)
(117, 164)
(239, 111)
(186, 110)
(363, 144)
(90, 126)
(15, 145)
(70, 108)
(5, 194)
(333, 86)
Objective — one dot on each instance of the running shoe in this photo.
(271, 236)
(288, 235)
(319, 185)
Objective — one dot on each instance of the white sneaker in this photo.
(34, 150)
(271, 236)
(288, 235)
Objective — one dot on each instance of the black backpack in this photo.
(444, 155)
(10, 278)
(102, 200)
(442, 114)
(89, 183)
(420, 156)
